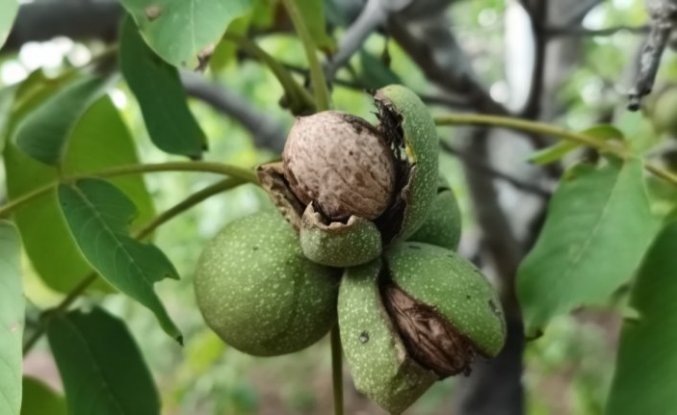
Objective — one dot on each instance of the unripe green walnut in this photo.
(421, 315)
(259, 293)
(442, 227)
(662, 110)
(350, 188)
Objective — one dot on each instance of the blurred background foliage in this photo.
(568, 371)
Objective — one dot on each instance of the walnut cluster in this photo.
(341, 164)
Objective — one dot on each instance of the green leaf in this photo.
(9, 9)
(598, 228)
(40, 399)
(179, 30)
(553, 153)
(42, 134)
(374, 73)
(226, 49)
(156, 85)
(604, 132)
(562, 148)
(44, 231)
(646, 370)
(312, 12)
(101, 366)
(11, 320)
(98, 215)
(6, 100)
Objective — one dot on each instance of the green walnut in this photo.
(420, 314)
(351, 188)
(442, 227)
(259, 293)
(662, 110)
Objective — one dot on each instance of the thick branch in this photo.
(539, 20)
(502, 375)
(266, 131)
(44, 20)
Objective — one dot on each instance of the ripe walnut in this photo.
(341, 163)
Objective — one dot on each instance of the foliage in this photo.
(80, 222)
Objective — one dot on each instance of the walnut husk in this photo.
(429, 338)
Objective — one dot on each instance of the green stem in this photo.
(245, 175)
(337, 370)
(540, 128)
(317, 78)
(63, 306)
(174, 211)
(300, 99)
(533, 127)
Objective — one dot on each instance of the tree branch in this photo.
(502, 375)
(43, 20)
(481, 166)
(265, 130)
(663, 15)
(373, 15)
(539, 20)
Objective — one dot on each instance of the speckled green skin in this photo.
(422, 148)
(442, 227)
(339, 245)
(257, 291)
(377, 358)
(663, 111)
(460, 292)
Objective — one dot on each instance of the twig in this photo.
(300, 100)
(608, 31)
(663, 14)
(541, 128)
(435, 50)
(449, 102)
(266, 131)
(142, 233)
(317, 79)
(579, 11)
(539, 20)
(193, 166)
(481, 166)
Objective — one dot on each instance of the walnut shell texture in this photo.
(341, 163)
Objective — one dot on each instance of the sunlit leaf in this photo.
(42, 134)
(45, 234)
(646, 371)
(9, 9)
(40, 399)
(598, 228)
(11, 320)
(101, 366)
(98, 215)
(179, 30)
(156, 85)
